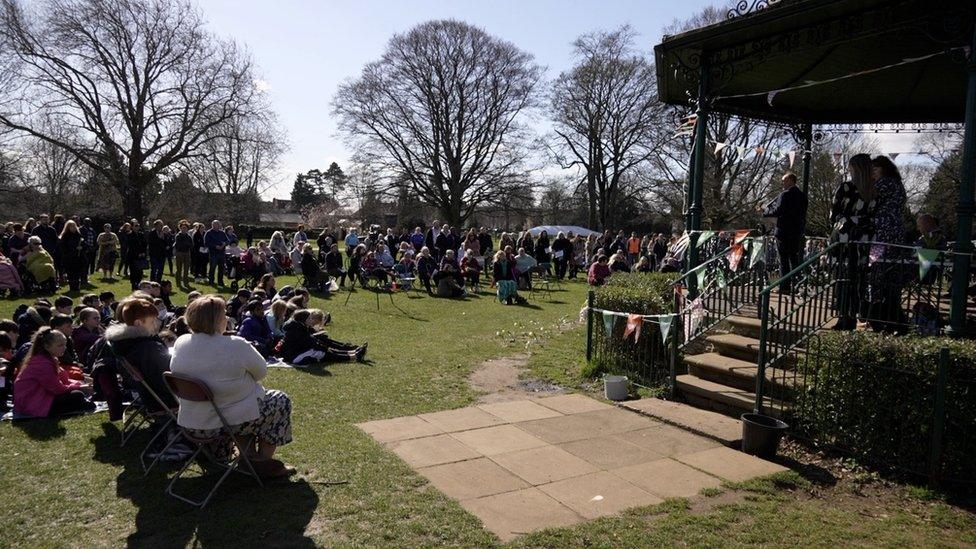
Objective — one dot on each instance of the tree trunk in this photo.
(132, 200)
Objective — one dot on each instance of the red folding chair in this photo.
(194, 390)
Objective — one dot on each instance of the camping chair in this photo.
(404, 279)
(544, 283)
(194, 390)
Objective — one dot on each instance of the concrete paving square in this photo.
(668, 441)
(599, 494)
(399, 428)
(427, 451)
(730, 464)
(572, 404)
(520, 512)
(519, 410)
(667, 478)
(526, 465)
(609, 452)
(461, 419)
(473, 478)
(501, 439)
(544, 464)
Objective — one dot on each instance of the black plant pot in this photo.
(761, 434)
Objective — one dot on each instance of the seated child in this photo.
(254, 328)
(43, 388)
(303, 345)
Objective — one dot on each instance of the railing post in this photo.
(589, 326)
(763, 344)
(938, 417)
(675, 326)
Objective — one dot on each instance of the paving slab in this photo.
(615, 421)
(427, 451)
(730, 464)
(718, 426)
(399, 428)
(667, 478)
(609, 452)
(666, 440)
(473, 478)
(513, 513)
(544, 464)
(572, 403)
(461, 419)
(500, 439)
(598, 494)
(519, 410)
(584, 425)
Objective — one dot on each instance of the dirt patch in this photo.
(500, 380)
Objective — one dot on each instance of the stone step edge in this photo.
(732, 443)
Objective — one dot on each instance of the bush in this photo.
(875, 396)
(645, 361)
(638, 293)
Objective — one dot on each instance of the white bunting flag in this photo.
(664, 323)
(792, 155)
(719, 147)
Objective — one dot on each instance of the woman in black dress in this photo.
(852, 217)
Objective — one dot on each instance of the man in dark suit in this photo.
(790, 211)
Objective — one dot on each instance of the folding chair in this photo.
(194, 390)
(543, 285)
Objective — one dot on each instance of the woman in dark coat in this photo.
(852, 216)
(73, 259)
(136, 255)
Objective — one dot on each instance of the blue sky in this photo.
(304, 49)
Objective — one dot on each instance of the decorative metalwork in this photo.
(744, 7)
(915, 127)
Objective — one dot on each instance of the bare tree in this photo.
(605, 114)
(240, 155)
(442, 108)
(56, 170)
(141, 84)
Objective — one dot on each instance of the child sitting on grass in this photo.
(303, 344)
(43, 388)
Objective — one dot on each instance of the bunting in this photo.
(757, 252)
(792, 155)
(700, 274)
(634, 323)
(664, 323)
(695, 313)
(609, 319)
(720, 279)
(719, 147)
(735, 256)
(926, 258)
(704, 237)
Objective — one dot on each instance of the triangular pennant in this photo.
(770, 96)
(609, 319)
(760, 150)
(893, 155)
(704, 237)
(720, 279)
(792, 155)
(719, 147)
(740, 235)
(735, 256)
(700, 273)
(757, 251)
(741, 153)
(664, 323)
(926, 258)
(776, 154)
(633, 326)
(695, 313)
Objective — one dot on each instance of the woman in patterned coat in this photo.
(890, 268)
(852, 217)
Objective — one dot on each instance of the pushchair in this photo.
(30, 284)
(10, 280)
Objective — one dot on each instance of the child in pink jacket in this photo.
(42, 388)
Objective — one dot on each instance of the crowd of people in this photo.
(60, 357)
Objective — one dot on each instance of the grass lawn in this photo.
(69, 483)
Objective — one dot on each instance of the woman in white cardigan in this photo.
(232, 368)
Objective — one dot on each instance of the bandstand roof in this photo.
(832, 61)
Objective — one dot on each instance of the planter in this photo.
(615, 387)
(761, 434)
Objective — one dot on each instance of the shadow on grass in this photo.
(41, 428)
(240, 513)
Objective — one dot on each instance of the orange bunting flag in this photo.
(760, 150)
(740, 235)
(735, 256)
(633, 326)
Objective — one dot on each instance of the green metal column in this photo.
(807, 154)
(964, 207)
(697, 175)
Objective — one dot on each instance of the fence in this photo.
(920, 421)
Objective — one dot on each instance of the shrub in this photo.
(638, 293)
(646, 361)
(875, 396)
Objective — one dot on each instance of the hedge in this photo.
(638, 293)
(645, 361)
(875, 396)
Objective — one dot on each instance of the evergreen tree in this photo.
(943, 192)
(304, 193)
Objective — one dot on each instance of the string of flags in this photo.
(745, 151)
(635, 322)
